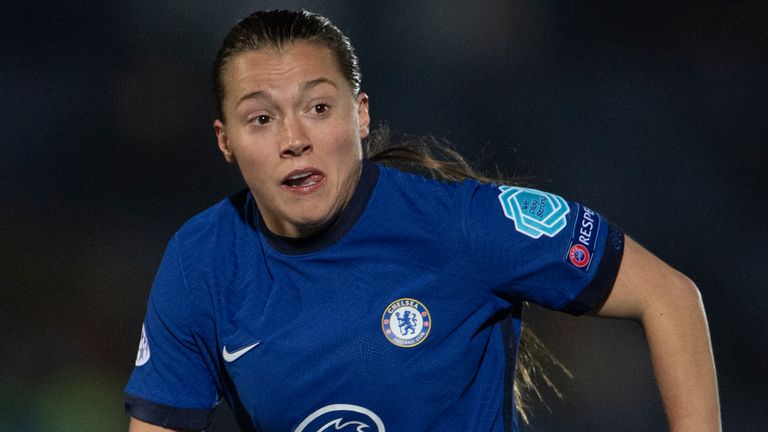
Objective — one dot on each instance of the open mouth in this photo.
(303, 180)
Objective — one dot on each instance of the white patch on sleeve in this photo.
(143, 356)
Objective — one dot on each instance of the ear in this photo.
(223, 140)
(362, 113)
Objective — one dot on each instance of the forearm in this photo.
(137, 425)
(678, 337)
(669, 307)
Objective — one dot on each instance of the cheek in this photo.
(252, 163)
(346, 142)
(347, 150)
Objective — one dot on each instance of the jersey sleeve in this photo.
(536, 246)
(173, 382)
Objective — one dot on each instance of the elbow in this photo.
(686, 289)
(680, 295)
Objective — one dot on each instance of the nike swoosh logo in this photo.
(229, 357)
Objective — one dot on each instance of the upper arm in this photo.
(644, 283)
(174, 382)
(535, 246)
(137, 425)
(669, 307)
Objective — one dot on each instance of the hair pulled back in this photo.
(276, 29)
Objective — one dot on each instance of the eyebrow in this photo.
(315, 82)
(304, 87)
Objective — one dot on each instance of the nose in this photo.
(296, 141)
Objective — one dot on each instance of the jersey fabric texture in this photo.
(405, 314)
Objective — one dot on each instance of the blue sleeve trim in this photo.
(168, 416)
(598, 290)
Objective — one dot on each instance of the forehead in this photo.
(281, 69)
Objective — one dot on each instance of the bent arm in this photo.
(137, 425)
(669, 307)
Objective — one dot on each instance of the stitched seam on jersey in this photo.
(468, 248)
(190, 323)
(464, 215)
(510, 365)
(187, 296)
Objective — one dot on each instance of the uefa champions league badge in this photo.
(406, 322)
(583, 243)
(579, 255)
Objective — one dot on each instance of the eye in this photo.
(261, 119)
(320, 108)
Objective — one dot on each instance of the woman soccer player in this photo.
(336, 293)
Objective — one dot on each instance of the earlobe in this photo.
(362, 113)
(223, 140)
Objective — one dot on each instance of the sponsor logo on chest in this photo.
(342, 418)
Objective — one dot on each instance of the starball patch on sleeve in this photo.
(535, 213)
(581, 247)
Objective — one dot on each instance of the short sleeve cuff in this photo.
(598, 290)
(168, 416)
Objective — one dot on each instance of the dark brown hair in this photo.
(274, 30)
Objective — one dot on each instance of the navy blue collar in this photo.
(335, 231)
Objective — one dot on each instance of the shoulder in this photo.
(211, 241)
(420, 190)
(208, 252)
(410, 203)
(216, 223)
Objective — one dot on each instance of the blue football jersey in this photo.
(403, 315)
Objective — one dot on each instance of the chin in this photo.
(311, 224)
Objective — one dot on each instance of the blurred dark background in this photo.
(653, 113)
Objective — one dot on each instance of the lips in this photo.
(303, 180)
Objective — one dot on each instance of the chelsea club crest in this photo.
(406, 322)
